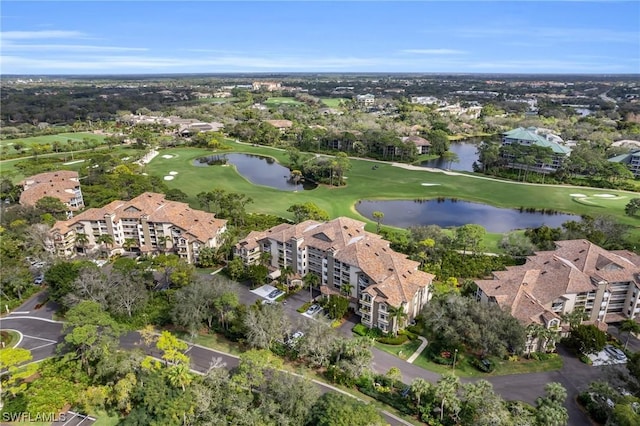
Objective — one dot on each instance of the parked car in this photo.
(291, 341)
(616, 353)
(313, 309)
(269, 302)
(275, 294)
(39, 279)
(40, 264)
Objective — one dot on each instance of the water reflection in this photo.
(258, 170)
(448, 213)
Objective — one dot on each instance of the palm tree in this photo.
(447, 392)
(420, 387)
(534, 332)
(398, 315)
(346, 288)
(378, 216)
(629, 326)
(265, 258)
(129, 243)
(105, 239)
(81, 240)
(180, 376)
(162, 242)
(285, 273)
(312, 280)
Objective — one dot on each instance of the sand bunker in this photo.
(167, 156)
(168, 178)
(429, 184)
(578, 195)
(172, 173)
(604, 195)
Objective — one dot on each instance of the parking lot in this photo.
(608, 356)
(71, 418)
(268, 292)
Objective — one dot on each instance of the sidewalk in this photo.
(418, 351)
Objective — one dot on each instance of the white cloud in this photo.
(556, 34)
(434, 51)
(18, 64)
(38, 35)
(14, 47)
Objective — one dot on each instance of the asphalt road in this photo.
(41, 335)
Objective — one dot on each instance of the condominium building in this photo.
(366, 101)
(530, 137)
(63, 185)
(631, 160)
(604, 284)
(146, 224)
(347, 260)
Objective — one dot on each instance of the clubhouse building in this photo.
(347, 260)
(604, 284)
(146, 224)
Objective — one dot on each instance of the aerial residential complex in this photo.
(577, 275)
(348, 260)
(532, 136)
(63, 185)
(631, 160)
(148, 223)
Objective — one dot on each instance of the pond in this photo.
(467, 153)
(258, 170)
(450, 212)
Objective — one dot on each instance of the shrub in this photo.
(483, 365)
(409, 334)
(586, 359)
(360, 329)
(398, 340)
(306, 306)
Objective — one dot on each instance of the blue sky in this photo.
(124, 37)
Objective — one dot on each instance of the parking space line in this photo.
(40, 338)
(42, 346)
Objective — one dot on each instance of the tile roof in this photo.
(199, 225)
(60, 184)
(549, 275)
(280, 124)
(396, 278)
(417, 140)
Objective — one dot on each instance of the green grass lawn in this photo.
(48, 139)
(9, 338)
(8, 167)
(401, 351)
(386, 182)
(282, 101)
(333, 102)
(464, 368)
(213, 341)
(217, 100)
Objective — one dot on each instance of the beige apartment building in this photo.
(578, 274)
(348, 260)
(146, 224)
(63, 185)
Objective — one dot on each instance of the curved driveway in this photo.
(42, 334)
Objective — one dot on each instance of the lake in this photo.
(259, 170)
(449, 212)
